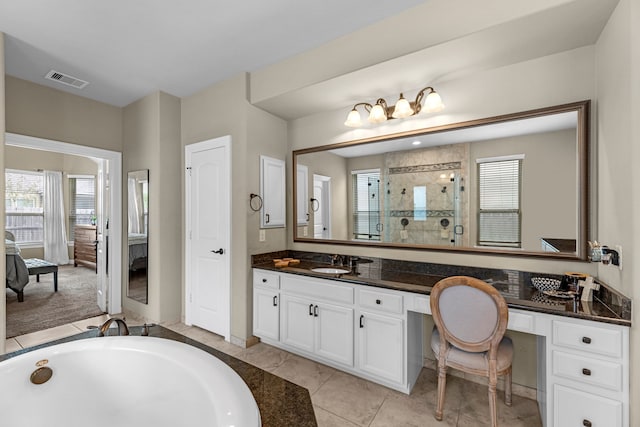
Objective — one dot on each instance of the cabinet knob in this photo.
(315, 311)
(362, 320)
(378, 302)
(275, 300)
(310, 309)
(268, 219)
(586, 371)
(586, 340)
(586, 423)
(264, 280)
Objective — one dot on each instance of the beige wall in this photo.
(219, 110)
(618, 188)
(152, 141)
(40, 111)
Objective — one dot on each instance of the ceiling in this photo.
(128, 49)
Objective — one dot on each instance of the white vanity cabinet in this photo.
(266, 304)
(589, 373)
(377, 334)
(380, 336)
(272, 191)
(317, 317)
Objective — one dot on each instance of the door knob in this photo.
(219, 251)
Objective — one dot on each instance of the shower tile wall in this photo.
(429, 168)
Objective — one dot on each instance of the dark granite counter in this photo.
(281, 402)
(417, 277)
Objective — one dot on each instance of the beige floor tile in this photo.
(304, 372)
(408, 412)
(263, 356)
(47, 335)
(349, 397)
(11, 345)
(327, 419)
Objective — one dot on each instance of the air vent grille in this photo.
(66, 79)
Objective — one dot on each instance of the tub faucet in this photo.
(122, 327)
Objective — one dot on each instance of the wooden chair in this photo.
(470, 320)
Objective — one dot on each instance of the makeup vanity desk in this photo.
(370, 324)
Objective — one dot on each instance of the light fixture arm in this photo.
(420, 96)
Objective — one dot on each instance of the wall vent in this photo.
(65, 79)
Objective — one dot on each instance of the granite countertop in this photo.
(281, 402)
(515, 286)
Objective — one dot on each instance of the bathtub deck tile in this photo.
(47, 335)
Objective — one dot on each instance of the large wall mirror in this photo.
(513, 184)
(138, 227)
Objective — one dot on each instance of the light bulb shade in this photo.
(433, 103)
(377, 114)
(353, 119)
(402, 109)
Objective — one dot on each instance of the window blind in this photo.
(24, 205)
(81, 202)
(499, 203)
(366, 205)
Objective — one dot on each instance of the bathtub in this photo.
(124, 381)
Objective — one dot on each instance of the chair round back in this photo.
(469, 313)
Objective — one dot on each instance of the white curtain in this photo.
(133, 211)
(55, 232)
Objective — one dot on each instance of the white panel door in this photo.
(297, 322)
(208, 235)
(334, 333)
(381, 347)
(302, 195)
(266, 313)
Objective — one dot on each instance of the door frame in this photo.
(223, 141)
(114, 214)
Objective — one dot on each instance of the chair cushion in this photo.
(477, 361)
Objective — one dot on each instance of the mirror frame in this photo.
(583, 133)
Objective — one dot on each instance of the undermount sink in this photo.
(330, 270)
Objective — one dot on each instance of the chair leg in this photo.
(507, 387)
(442, 383)
(493, 382)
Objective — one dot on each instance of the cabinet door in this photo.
(266, 314)
(381, 346)
(577, 408)
(302, 196)
(334, 333)
(296, 319)
(272, 188)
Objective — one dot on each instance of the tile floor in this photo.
(340, 399)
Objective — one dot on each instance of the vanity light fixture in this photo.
(381, 112)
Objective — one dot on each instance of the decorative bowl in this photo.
(545, 283)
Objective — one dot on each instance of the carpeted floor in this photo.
(42, 308)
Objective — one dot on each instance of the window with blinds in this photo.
(82, 202)
(499, 214)
(24, 205)
(366, 204)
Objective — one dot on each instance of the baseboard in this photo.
(517, 389)
(251, 341)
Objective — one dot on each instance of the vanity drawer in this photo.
(588, 338)
(267, 279)
(588, 370)
(577, 408)
(318, 289)
(378, 300)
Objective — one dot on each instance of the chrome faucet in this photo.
(122, 327)
(336, 260)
